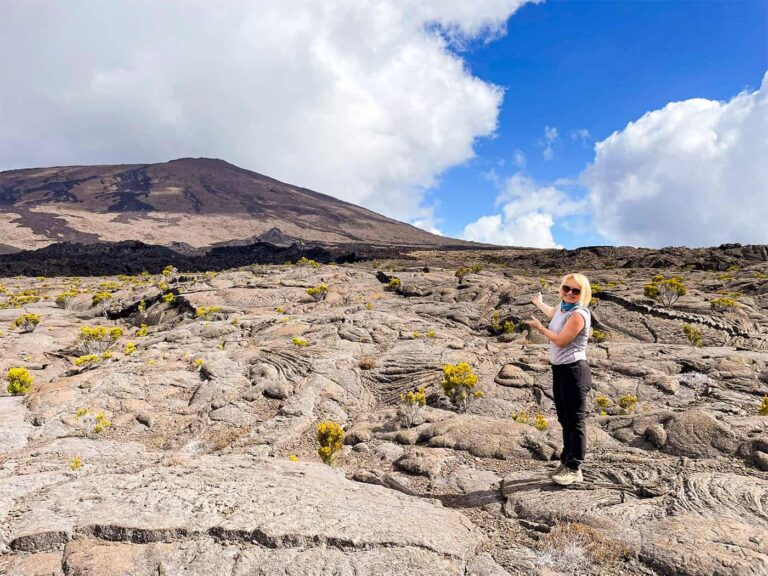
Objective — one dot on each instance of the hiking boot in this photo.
(559, 470)
(567, 477)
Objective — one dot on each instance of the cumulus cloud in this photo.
(366, 100)
(527, 215)
(693, 173)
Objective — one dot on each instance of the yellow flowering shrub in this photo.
(413, 405)
(628, 403)
(330, 437)
(693, 334)
(100, 298)
(97, 339)
(763, 409)
(665, 290)
(75, 464)
(129, 348)
(460, 385)
(318, 292)
(205, 312)
(298, 341)
(19, 381)
(540, 422)
(26, 323)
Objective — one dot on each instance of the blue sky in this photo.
(579, 65)
(422, 111)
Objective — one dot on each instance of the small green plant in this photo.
(413, 405)
(169, 298)
(476, 268)
(97, 339)
(330, 436)
(64, 299)
(142, 330)
(318, 292)
(522, 417)
(129, 348)
(369, 305)
(596, 288)
(725, 277)
(19, 381)
(394, 285)
(508, 327)
(23, 298)
(602, 402)
(206, 312)
(142, 307)
(763, 408)
(540, 422)
(430, 334)
(26, 323)
(460, 385)
(100, 298)
(417, 335)
(628, 403)
(693, 334)
(75, 464)
(666, 291)
(92, 423)
(461, 273)
(598, 335)
(169, 270)
(280, 310)
(198, 363)
(304, 261)
(301, 342)
(293, 458)
(723, 304)
(87, 360)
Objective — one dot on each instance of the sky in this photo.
(549, 124)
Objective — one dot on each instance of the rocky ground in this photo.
(210, 463)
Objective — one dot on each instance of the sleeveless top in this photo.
(576, 349)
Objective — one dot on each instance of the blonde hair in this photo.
(586, 290)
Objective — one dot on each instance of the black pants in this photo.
(571, 384)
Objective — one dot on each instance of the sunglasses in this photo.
(567, 289)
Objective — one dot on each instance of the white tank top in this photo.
(576, 349)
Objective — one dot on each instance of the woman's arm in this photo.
(573, 326)
(537, 301)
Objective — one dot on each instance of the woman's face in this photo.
(570, 291)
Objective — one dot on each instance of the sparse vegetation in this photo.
(318, 292)
(26, 323)
(394, 285)
(598, 336)
(461, 273)
(304, 261)
(92, 423)
(129, 348)
(522, 417)
(430, 334)
(540, 422)
(628, 403)
(693, 334)
(763, 408)
(97, 339)
(666, 291)
(75, 464)
(169, 270)
(206, 312)
(330, 437)
(19, 381)
(573, 548)
(460, 385)
(142, 330)
(723, 304)
(413, 405)
(299, 341)
(100, 298)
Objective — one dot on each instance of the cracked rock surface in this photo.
(210, 463)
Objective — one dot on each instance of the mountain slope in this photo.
(197, 201)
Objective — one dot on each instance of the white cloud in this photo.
(581, 135)
(550, 137)
(518, 157)
(528, 213)
(693, 173)
(362, 100)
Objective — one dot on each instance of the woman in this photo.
(568, 333)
